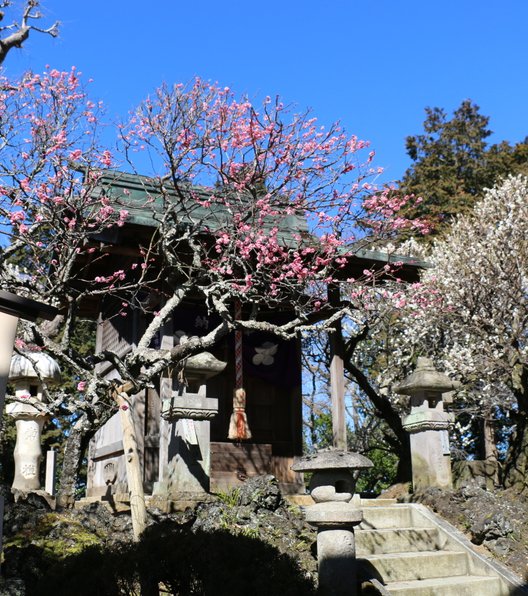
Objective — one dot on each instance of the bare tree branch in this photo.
(19, 33)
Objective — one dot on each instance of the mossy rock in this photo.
(58, 536)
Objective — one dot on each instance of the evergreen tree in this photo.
(453, 164)
(449, 168)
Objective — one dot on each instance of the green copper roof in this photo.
(145, 198)
(384, 257)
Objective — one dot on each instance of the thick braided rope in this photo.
(239, 378)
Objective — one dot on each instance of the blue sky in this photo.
(373, 65)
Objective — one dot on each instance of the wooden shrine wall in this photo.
(106, 465)
(274, 414)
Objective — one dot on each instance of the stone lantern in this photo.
(332, 487)
(187, 470)
(428, 425)
(27, 373)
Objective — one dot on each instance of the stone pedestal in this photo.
(186, 473)
(334, 515)
(428, 425)
(188, 469)
(430, 453)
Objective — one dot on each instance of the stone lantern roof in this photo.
(426, 378)
(37, 365)
(203, 366)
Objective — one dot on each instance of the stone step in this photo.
(398, 567)
(469, 585)
(378, 502)
(119, 503)
(397, 540)
(395, 516)
(412, 553)
(300, 500)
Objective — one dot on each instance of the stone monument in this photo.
(332, 487)
(27, 373)
(428, 425)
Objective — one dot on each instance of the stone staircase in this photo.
(405, 549)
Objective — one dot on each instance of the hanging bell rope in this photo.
(239, 367)
(238, 424)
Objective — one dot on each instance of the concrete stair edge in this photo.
(480, 568)
(418, 566)
(479, 564)
(392, 516)
(394, 540)
(456, 586)
(481, 571)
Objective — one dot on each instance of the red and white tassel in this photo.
(238, 425)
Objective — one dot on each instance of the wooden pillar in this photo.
(138, 509)
(490, 446)
(337, 377)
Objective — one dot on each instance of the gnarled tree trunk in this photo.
(73, 453)
(400, 442)
(515, 473)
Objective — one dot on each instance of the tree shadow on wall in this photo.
(170, 559)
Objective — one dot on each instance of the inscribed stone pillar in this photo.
(27, 454)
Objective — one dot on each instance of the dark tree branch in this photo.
(391, 417)
(21, 32)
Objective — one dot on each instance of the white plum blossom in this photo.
(476, 324)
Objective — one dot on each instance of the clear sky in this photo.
(373, 65)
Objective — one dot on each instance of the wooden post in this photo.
(337, 377)
(138, 509)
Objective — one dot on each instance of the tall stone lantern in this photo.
(27, 373)
(428, 425)
(332, 487)
(186, 472)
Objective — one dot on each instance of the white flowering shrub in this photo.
(475, 321)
